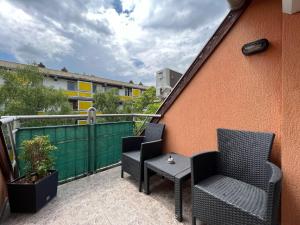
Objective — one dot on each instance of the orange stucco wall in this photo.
(260, 93)
(291, 119)
(231, 90)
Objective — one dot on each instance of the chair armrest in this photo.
(274, 175)
(203, 165)
(131, 143)
(151, 149)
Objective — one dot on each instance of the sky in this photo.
(116, 39)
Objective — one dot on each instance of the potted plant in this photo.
(31, 192)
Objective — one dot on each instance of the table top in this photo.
(181, 167)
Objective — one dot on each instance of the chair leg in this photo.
(194, 220)
(141, 177)
(140, 186)
(122, 173)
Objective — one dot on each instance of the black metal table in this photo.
(178, 173)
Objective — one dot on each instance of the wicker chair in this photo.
(237, 184)
(135, 150)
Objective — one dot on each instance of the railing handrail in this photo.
(8, 119)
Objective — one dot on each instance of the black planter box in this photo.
(29, 198)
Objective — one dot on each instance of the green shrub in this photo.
(37, 157)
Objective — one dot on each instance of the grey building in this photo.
(166, 79)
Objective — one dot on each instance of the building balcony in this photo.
(106, 199)
(91, 190)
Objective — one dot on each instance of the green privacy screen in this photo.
(82, 149)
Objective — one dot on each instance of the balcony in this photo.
(105, 198)
(81, 149)
(91, 190)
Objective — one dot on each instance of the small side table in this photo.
(178, 173)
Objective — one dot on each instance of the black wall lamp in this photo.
(255, 47)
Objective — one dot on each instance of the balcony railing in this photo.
(81, 149)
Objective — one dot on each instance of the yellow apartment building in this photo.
(81, 88)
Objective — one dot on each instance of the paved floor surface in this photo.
(106, 199)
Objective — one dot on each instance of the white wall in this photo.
(166, 79)
(122, 92)
(162, 82)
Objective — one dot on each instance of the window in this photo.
(160, 75)
(128, 91)
(113, 89)
(74, 104)
(72, 85)
(94, 88)
(122, 91)
(107, 88)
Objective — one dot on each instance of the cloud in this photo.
(183, 15)
(26, 38)
(118, 39)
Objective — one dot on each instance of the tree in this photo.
(107, 102)
(24, 94)
(141, 83)
(64, 69)
(152, 108)
(146, 103)
(131, 82)
(41, 65)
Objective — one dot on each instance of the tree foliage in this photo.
(64, 69)
(147, 102)
(107, 102)
(41, 65)
(25, 94)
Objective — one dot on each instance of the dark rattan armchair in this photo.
(135, 150)
(237, 184)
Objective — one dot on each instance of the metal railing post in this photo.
(134, 127)
(91, 148)
(91, 120)
(91, 115)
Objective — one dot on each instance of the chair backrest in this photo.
(154, 131)
(243, 155)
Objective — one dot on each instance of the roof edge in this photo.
(202, 57)
(71, 75)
